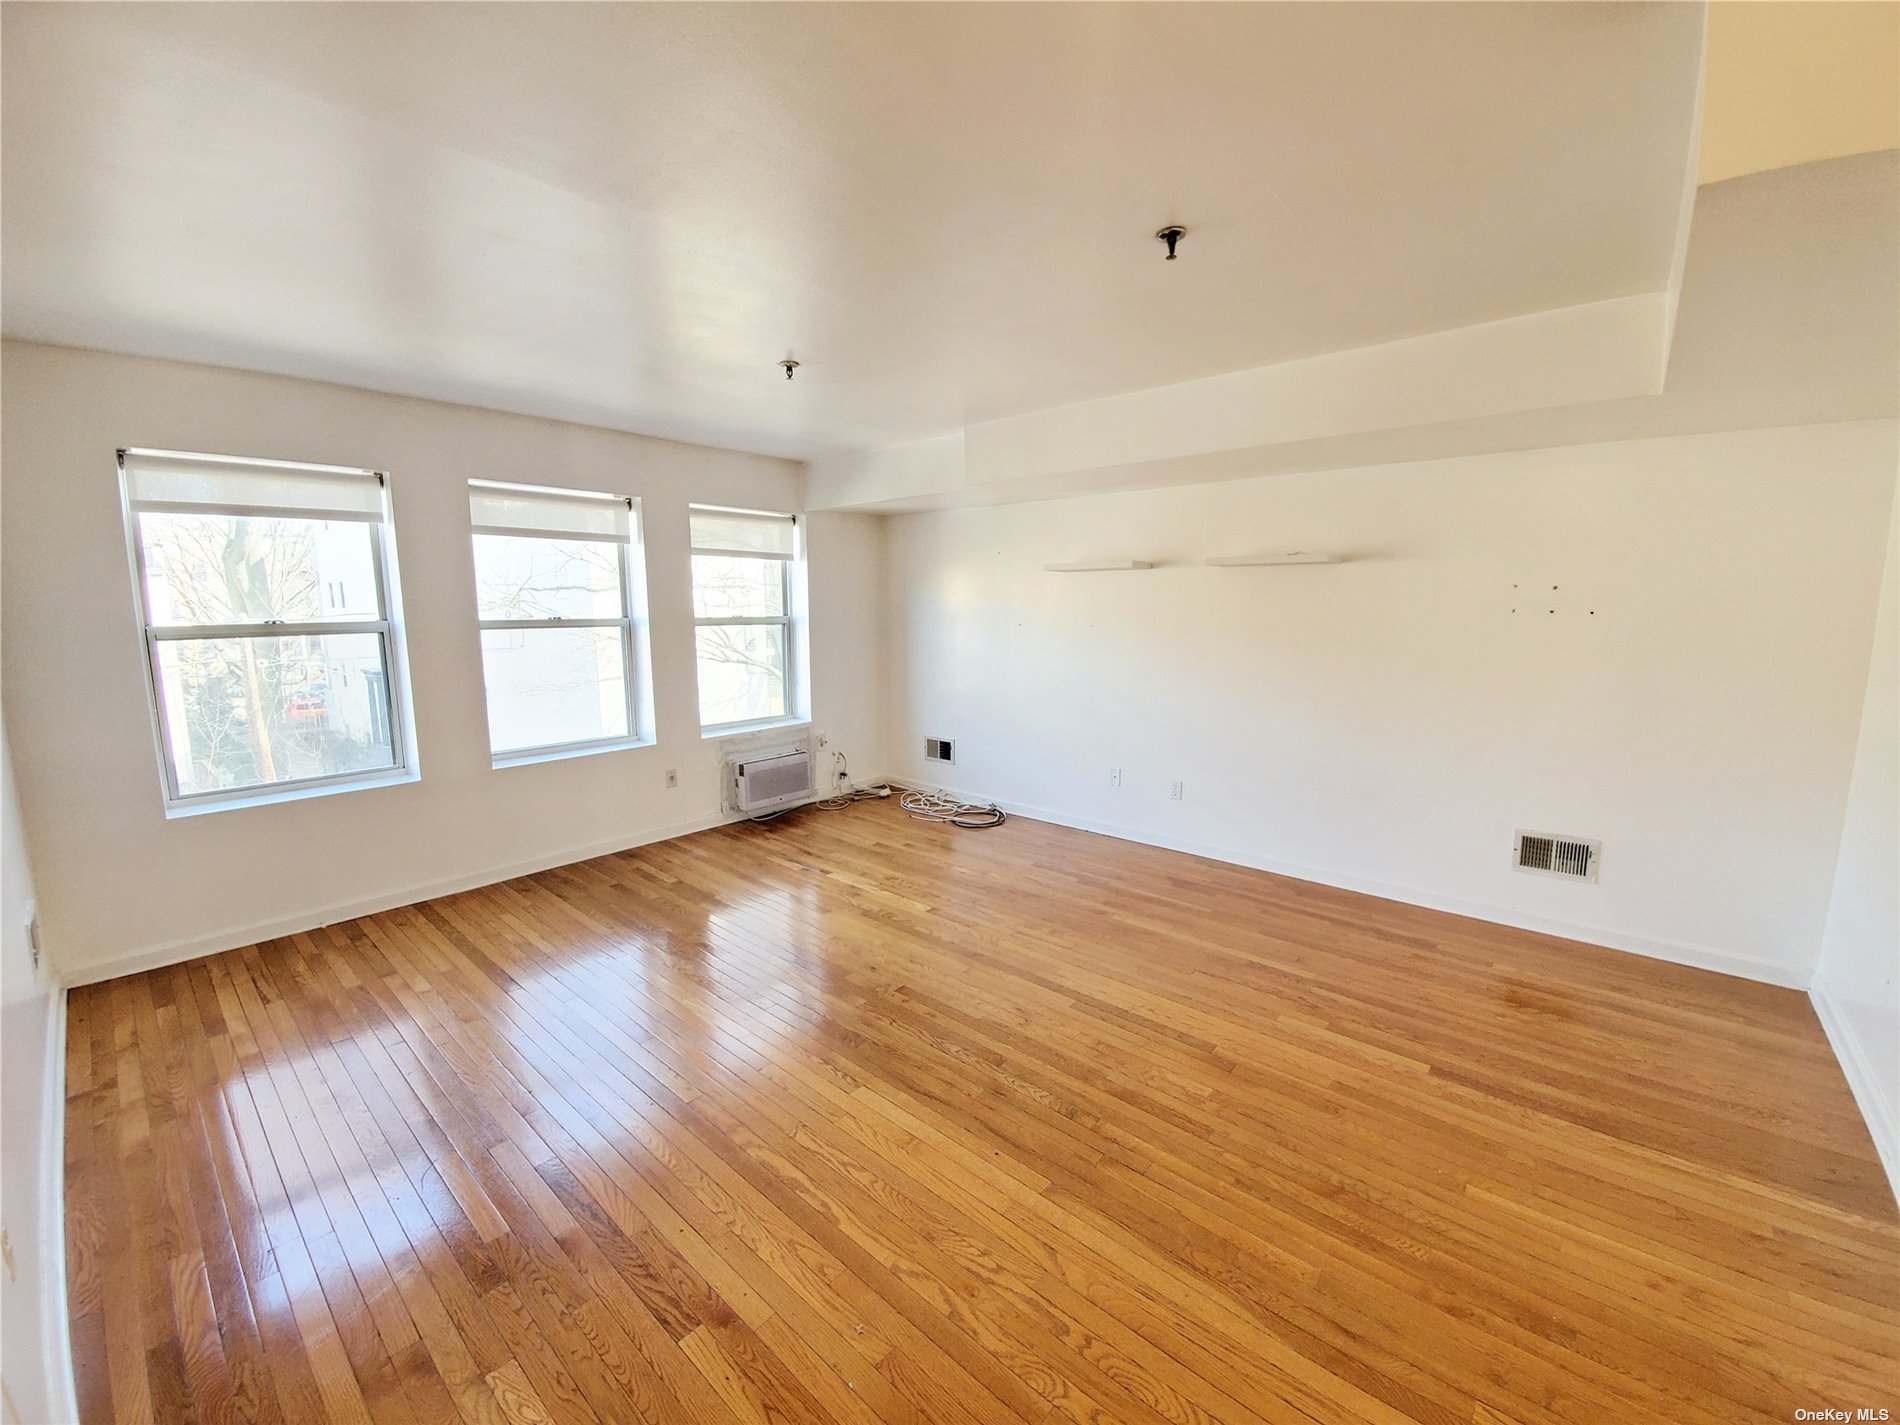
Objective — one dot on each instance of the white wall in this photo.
(120, 886)
(35, 1366)
(1857, 981)
(1386, 724)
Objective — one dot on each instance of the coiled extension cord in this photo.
(934, 806)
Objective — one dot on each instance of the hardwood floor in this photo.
(851, 1118)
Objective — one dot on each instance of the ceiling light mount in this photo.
(790, 366)
(1171, 234)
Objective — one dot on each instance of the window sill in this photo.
(746, 729)
(565, 754)
(263, 797)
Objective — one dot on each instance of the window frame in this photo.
(386, 627)
(786, 621)
(631, 665)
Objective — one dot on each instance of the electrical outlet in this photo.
(1174, 790)
(672, 776)
(1114, 776)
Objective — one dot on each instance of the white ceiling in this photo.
(627, 214)
(1787, 318)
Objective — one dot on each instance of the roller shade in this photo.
(162, 478)
(742, 532)
(556, 514)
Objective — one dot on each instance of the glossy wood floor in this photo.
(851, 1118)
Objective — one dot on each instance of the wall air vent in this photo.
(939, 749)
(1568, 856)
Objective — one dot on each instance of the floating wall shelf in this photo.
(1089, 566)
(1237, 561)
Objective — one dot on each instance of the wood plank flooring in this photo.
(848, 1118)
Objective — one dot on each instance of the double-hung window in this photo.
(265, 591)
(558, 585)
(743, 589)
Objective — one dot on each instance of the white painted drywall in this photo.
(120, 886)
(1788, 290)
(1857, 981)
(35, 1359)
(1661, 644)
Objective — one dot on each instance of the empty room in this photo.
(950, 713)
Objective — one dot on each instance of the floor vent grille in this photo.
(1569, 856)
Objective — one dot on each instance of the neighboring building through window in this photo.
(264, 589)
(743, 587)
(557, 587)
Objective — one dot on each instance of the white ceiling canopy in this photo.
(630, 214)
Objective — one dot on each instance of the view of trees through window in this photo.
(272, 651)
(742, 656)
(256, 699)
(554, 640)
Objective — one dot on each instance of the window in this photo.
(264, 590)
(555, 586)
(742, 615)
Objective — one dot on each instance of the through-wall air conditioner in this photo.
(761, 783)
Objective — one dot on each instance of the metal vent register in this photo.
(1568, 856)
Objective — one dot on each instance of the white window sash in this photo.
(628, 671)
(781, 621)
(269, 628)
(153, 634)
(629, 666)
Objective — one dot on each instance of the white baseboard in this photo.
(61, 1394)
(236, 937)
(1883, 1118)
(1701, 957)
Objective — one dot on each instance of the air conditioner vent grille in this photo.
(1572, 857)
(760, 783)
(939, 749)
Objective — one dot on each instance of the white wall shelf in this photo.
(1090, 566)
(1240, 561)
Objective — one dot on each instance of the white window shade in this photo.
(156, 478)
(742, 532)
(556, 514)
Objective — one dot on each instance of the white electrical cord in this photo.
(922, 806)
(851, 795)
(935, 806)
(848, 794)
